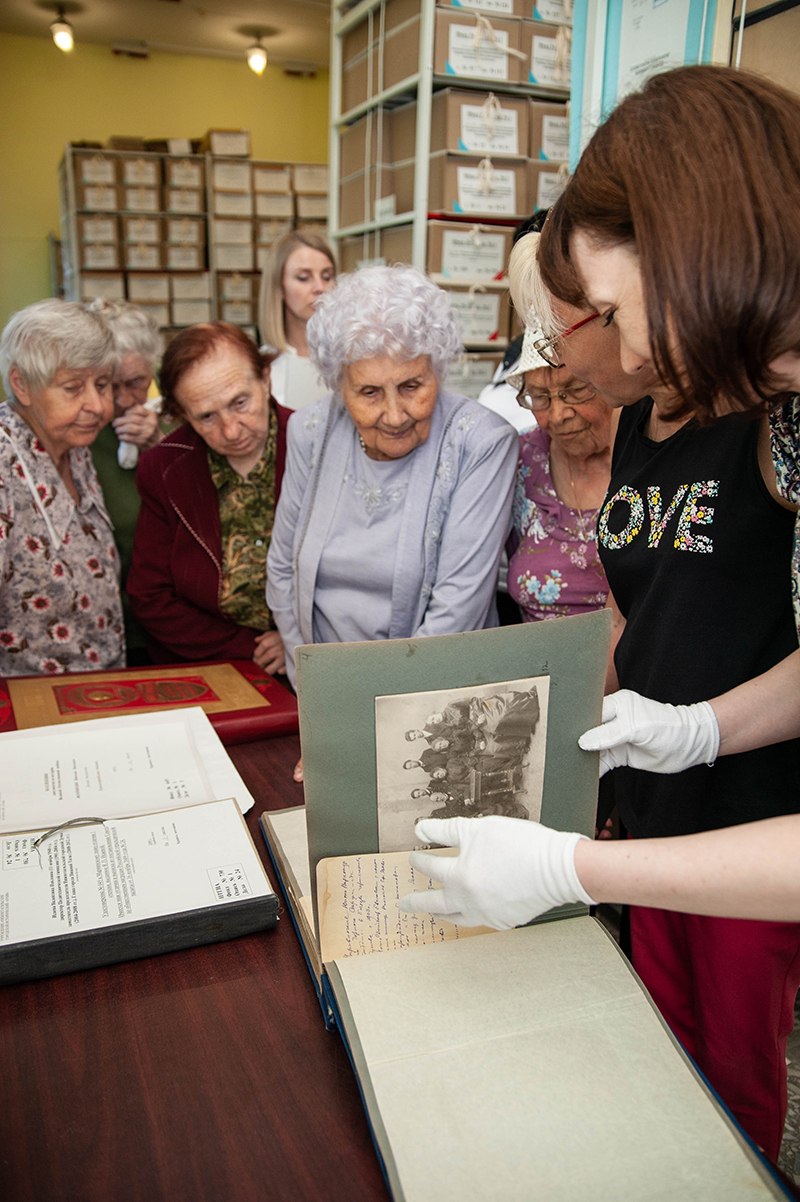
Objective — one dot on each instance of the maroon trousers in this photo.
(727, 988)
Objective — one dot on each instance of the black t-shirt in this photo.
(697, 555)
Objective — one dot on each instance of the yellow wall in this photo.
(48, 98)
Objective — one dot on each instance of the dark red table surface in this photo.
(205, 1075)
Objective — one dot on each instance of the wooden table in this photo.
(198, 1075)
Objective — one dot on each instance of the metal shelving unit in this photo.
(420, 86)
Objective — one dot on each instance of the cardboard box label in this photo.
(549, 187)
(239, 313)
(479, 314)
(555, 138)
(544, 69)
(142, 257)
(470, 377)
(185, 175)
(181, 201)
(268, 231)
(148, 288)
(496, 135)
(190, 287)
(233, 204)
(142, 229)
(505, 7)
(472, 255)
(100, 256)
(184, 230)
(109, 287)
(480, 192)
(487, 61)
(99, 229)
(100, 198)
(229, 142)
(272, 179)
(232, 177)
(236, 288)
(189, 313)
(237, 232)
(141, 171)
(552, 10)
(234, 258)
(143, 199)
(183, 258)
(97, 171)
(272, 205)
(385, 206)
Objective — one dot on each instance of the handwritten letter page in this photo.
(357, 897)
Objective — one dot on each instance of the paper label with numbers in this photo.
(100, 229)
(185, 175)
(487, 61)
(469, 255)
(101, 256)
(555, 139)
(543, 64)
(499, 136)
(549, 188)
(478, 313)
(552, 10)
(97, 171)
(479, 193)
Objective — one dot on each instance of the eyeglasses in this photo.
(537, 402)
(546, 346)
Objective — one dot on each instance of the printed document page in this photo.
(110, 767)
(122, 870)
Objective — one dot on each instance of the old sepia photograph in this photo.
(459, 753)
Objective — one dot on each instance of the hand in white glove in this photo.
(640, 733)
(507, 872)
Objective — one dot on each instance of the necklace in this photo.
(363, 444)
(583, 535)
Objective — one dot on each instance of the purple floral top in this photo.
(60, 607)
(555, 570)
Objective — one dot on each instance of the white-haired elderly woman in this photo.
(59, 570)
(135, 428)
(397, 496)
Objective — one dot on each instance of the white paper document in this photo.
(125, 870)
(110, 767)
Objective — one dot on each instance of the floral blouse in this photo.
(555, 569)
(785, 432)
(60, 607)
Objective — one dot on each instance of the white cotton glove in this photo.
(654, 736)
(507, 872)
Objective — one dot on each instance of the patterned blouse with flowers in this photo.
(554, 569)
(60, 607)
(785, 431)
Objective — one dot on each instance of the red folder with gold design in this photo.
(243, 703)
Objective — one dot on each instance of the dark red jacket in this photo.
(176, 574)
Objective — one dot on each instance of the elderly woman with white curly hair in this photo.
(59, 571)
(397, 496)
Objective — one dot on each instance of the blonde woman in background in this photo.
(300, 268)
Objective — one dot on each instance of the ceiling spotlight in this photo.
(62, 32)
(257, 57)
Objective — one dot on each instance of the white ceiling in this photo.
(296, 31)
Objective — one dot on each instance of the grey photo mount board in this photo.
(337, 684)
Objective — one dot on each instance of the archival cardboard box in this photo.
(549, 131)
(540, 42)
(97, 198)
(458, 184)
(145, 256)
(104, 284)
(190, 287)
(99, 256)
(148, 287)
(461, 122)
(457, 250)
(183, 257)
(455, 52)
(185, 230)
(271, 178)
(546, 182)
(360, 195)
(184, 173)
(94, 168)
(183, 200)
(366, 142)
(141, 229)
(484, 315)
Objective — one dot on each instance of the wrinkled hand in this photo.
(654, 736)
(269, 653)
(139, 426)
(507, 872)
